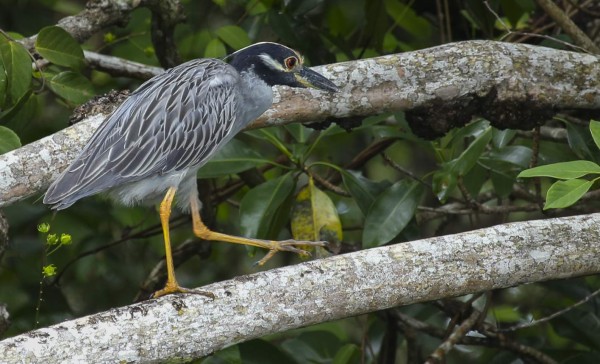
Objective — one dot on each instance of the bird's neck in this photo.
(256, 94)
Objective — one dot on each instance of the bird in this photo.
(148, 151)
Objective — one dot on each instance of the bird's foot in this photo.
(174, 288)
(294, 246)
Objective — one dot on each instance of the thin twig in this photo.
(440, 353)
(566, 24)
(511, 32)
(404, 171)
(552, 316)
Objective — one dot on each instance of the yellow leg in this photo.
(171, 286)
(203, 232)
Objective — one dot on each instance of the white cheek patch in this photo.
(270, 62)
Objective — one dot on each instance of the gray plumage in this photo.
(170, 126)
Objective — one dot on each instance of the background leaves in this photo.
(384, 184)
(58, 47)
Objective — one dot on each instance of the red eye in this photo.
(290, 62)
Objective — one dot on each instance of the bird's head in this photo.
(277, 64)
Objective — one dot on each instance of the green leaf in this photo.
(300, 132)
(515, 154)
(3, 83)
(501, 138)
(263, 352)
(234, 36)
(391, 212)
(474, 129)
(282, 25)
(215, 49)
(474, 180)
(72, 86)
(467, 159)
(313, 346)
(234, 157)
(565, 193)
(564, 170)
(595, 130)
(19, 107)
(553, 152)
(259, 207)
(9, 140)
(444, 182)
(59, 47)
(17, 67)
(348, 354)
(506, 313)
(503, 182)
(579, 141)
(362, 189)
(230, 355)
(581, 325)
(406, 18)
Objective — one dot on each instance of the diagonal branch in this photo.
(563, 20)
(97, 15)
(318, 291)
(512, 85)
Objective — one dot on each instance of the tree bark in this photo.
(183, 327)
(512, 85)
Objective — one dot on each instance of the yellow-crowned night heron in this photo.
(155, 142)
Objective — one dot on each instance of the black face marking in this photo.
(270, 61)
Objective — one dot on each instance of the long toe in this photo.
(176, 289)
(293, 245)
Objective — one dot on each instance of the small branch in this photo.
(578, 36)
(547, 133)
(328, 185)
(4, 319)
(3, 234)
(552, 316)
(117, 67)
(459, 332)
(537, 182)
(403, 170)
(495, 342)
(525, 35)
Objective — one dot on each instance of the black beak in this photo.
(312, 79)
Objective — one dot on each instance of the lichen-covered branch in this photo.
(120, 67)
(277, 300)
(512, 85)
(97, 15)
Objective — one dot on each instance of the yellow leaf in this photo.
(314, 218)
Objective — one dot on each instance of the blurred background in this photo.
(107, 253)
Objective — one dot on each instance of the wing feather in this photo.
(173, 122)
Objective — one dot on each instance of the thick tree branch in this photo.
(439, 88)
(97, 15)
(322, 290)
